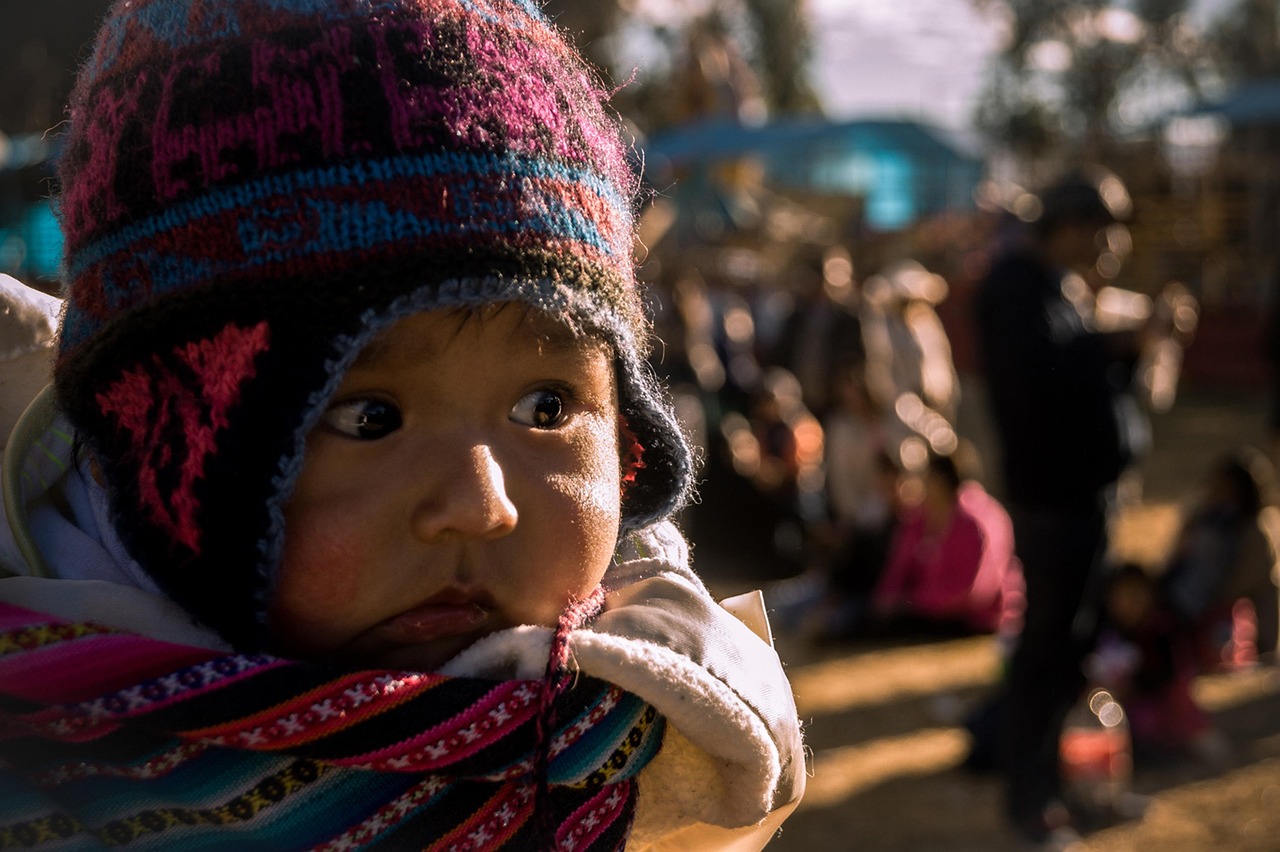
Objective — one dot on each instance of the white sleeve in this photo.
(733, 757)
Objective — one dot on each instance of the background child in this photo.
(1148, 662)
(1221, 578)
(351, 375)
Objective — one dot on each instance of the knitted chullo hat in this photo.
(252, 189)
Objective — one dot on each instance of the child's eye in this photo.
(365, 419)
(541, 409)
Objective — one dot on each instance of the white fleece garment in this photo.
(732, 756)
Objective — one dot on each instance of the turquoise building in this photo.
(902, 170)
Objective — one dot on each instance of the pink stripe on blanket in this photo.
(45, 659)
(70, 670)
(493, 823)
(387, 816)
(341, 703)
(488, 720)
(595, 817)
(54, 723)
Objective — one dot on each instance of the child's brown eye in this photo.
(363, 419)
(541, 409)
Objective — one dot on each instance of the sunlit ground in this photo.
(854, 705)
(884, 729)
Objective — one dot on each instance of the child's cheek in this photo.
(593, 502)
(588, 503)
(316, 592)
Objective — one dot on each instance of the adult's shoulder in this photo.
(1016, 287)
(1019, 267)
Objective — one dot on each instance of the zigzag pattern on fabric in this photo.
(108, 737)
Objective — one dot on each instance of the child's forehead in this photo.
(517, 327)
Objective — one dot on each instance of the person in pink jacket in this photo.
(952, 557)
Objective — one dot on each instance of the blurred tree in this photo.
(1068, 67)
(713, 78)
(593, 27)
(722, 57)
(783, 50)
(1091, 79)
(1076, 75)
(638, 45)
(1245, 43)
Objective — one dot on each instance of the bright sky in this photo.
(917, 59)
(920, 59)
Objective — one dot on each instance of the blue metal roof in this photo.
(902, 169)
(724, 138)
(1253, 103)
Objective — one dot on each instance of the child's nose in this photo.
(469, 500)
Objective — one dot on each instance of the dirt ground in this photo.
(882, 720)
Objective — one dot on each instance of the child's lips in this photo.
(430, 622)
(429, 633)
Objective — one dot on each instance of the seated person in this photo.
(1221, 578)
(949, 563)
(1147, 661)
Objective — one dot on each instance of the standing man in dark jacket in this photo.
(1069, 426)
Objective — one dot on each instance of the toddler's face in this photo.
(465, 478)
(1129, 604)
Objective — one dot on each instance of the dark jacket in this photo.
(1061, 403)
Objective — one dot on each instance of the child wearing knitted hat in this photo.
(346, 519)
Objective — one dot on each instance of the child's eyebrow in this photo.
(380, 352)
(551, 338)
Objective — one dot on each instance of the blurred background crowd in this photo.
(815, 273)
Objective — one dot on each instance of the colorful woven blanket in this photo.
(112, 739)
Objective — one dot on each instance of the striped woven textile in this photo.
(109, 739)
